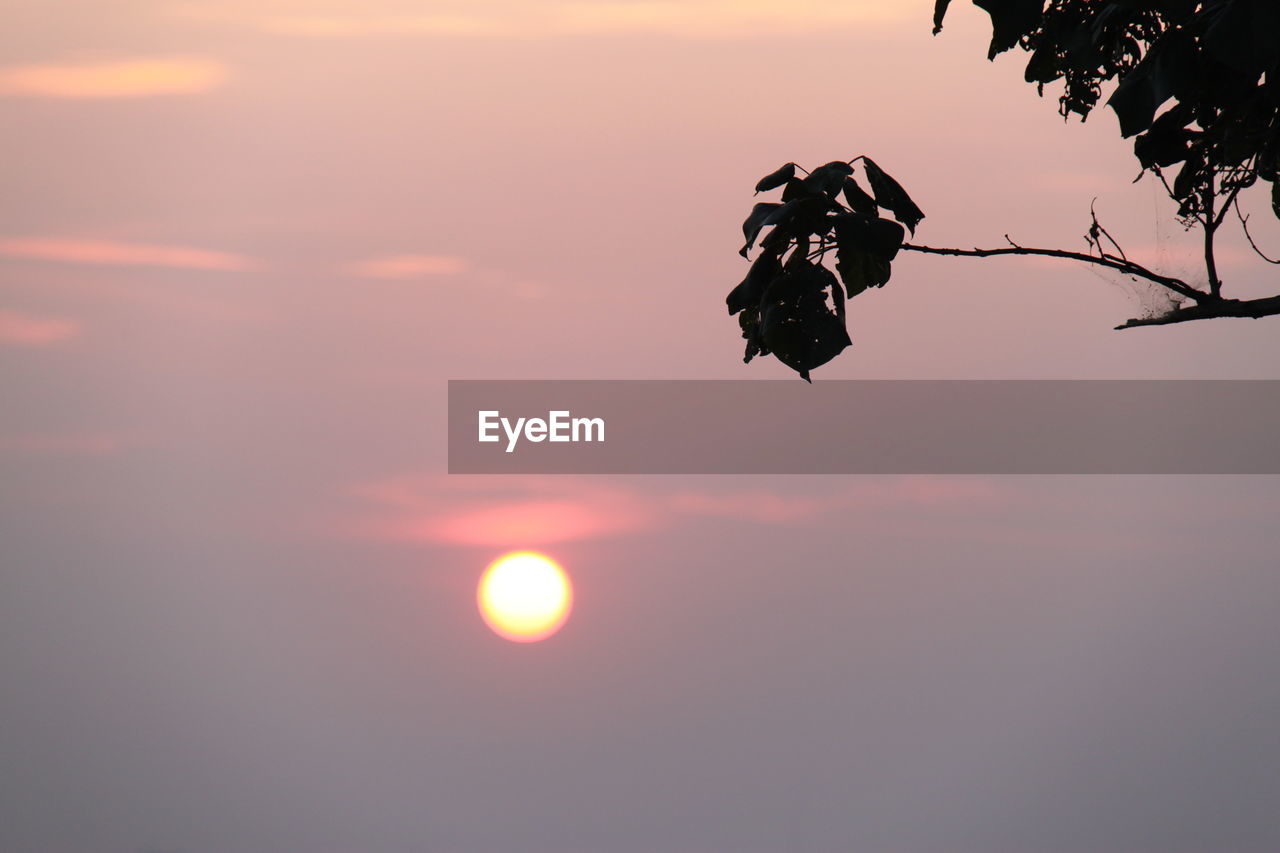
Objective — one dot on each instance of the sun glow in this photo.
(524, 597)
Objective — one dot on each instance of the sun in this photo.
(524, 596)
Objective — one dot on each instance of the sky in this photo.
(245, 245)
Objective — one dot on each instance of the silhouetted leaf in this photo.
(858, 231)
(829, 178)
(939, 12)
(1010, 21)
(776, 240)
(796, 189)
(780, 216)
(803, 215)
(1167, 140)
(783, 212)
(1269, 162)
(795, 323)
(776, 178)
(864, 247)
(1161, 150)
(858, 199)
(1275, 198)
(860, 269)
(837, 295)
(887, 237)
(1166, 69)
(801, 250)
(750, 323)
(1246, 36)
(891, 196)
(1188, 178)
(747, 294)
(751, 227)
(1042, 67)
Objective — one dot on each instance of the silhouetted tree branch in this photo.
(1127, 267)
(1211, 309)
(1217, 61)
(1244, 226)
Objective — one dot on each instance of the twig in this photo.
(1244, 225)
(1096, 229)
(1128, 267)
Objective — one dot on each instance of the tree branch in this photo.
(1244, 226)
(1254, 308)
(1127, 267)
(1210, 225)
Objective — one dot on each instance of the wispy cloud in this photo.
(772, 507)
(405, 267)
(723, 18)
(703, 19)
(129, 78)
(117, 253)
(27, 330)
(503, 512)
(533, 511)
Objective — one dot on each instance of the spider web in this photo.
(1174, 255)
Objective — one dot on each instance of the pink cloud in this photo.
(118, 253)
(26, 330)
(409, 266)
(701, 19)
(534, 511)
(516, 524)
(132, 78)
(501, 512)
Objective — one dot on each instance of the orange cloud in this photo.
(133, 78)
(724, 18)
(528, 511)
(409, 266)
(25, 330)
(115, 253)
(337, 25)
(501, 512)
(530, 522)
(710, 19)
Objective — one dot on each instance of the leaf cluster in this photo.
(790, 305)
(1214, 63)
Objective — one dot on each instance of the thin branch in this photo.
(1096, 229)
(1177, 285)
(1247, 169)
(1244, 225)
(824, 246)
(1252, 308)
(1168, 189)
(1226, 205)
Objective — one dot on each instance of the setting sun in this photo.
(524, 597)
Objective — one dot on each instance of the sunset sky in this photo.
(245, 244)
